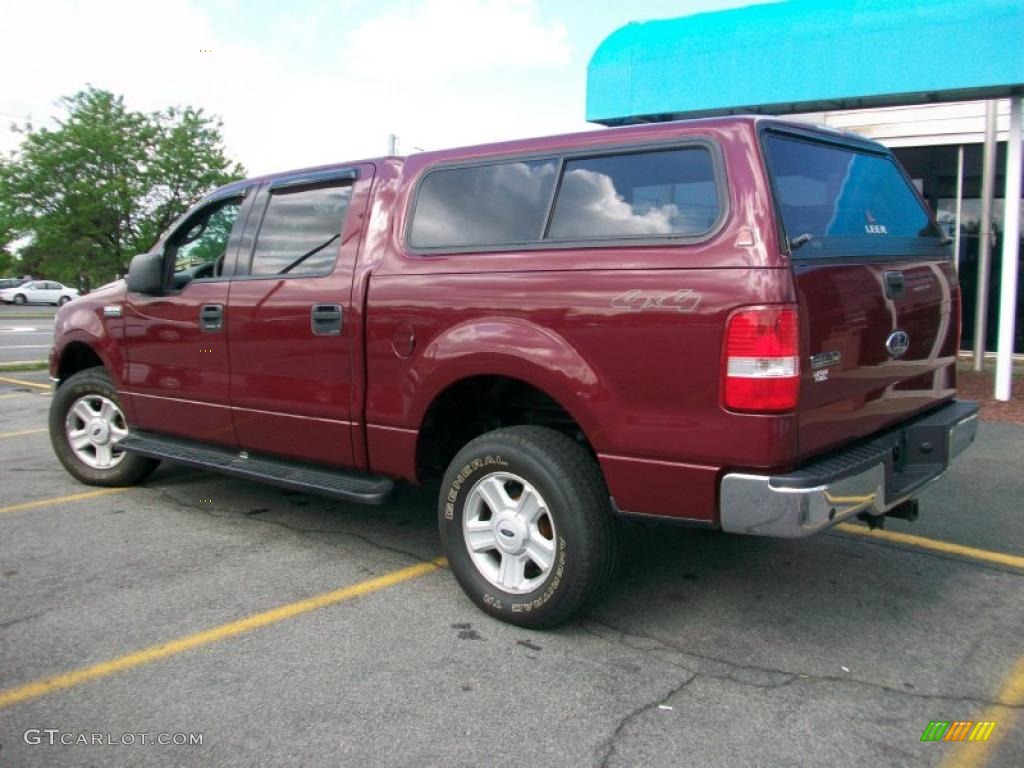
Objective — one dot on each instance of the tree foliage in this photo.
(106, 183)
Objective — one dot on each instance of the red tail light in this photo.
(762, 363)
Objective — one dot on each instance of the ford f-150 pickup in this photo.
(741, 323)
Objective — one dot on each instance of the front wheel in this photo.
(20, 299)
(527, 526)
(86, 425)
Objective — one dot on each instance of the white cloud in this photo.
(319, 87)
(440, 38)
(52, 49)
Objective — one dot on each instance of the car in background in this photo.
(38, 292)
(10, 282)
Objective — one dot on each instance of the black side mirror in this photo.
(146, 274)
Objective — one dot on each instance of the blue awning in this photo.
(808, 55)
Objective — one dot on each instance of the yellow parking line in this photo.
(61, 499)
(224, 631)
(23, 383)
(22, 432)
(946, 547)
(9, 395)
(973, 754)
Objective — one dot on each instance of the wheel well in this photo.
(480, 404)
(77, 356)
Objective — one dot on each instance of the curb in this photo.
(24, 365)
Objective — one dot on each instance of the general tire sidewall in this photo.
(531, 607)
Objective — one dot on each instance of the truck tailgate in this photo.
(853, 385)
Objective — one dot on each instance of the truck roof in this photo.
(598, 136)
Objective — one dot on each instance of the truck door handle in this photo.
(211, 317)
(325, 319)
(895, 285)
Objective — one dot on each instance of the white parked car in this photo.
(38, 292)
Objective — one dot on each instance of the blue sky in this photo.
(315, 81)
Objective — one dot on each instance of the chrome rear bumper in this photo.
(871, 477)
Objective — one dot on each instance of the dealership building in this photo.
(941, 146)
(930, 79)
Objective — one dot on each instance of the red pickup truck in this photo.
(741, 323)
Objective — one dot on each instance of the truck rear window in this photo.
(835, 196)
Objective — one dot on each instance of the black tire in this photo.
(20, 298)
(63, 300)
(583, 528)
(130, 470)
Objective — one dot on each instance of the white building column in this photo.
(988, 184)
(1011, 254)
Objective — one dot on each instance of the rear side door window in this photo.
(301, 231)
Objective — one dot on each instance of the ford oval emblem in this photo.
(898, 343)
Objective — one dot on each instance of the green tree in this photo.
(107, 182)
(7, 265)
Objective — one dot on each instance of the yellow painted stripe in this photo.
(935, 545)
(976, 752)
(22, 432)
(23, 383)
(9, 395)
(224, 631)
(61, 499)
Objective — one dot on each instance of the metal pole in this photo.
(1011, 252)
(392, 144)
(959, 203)
(988, 181)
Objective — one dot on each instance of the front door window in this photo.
(200, 247)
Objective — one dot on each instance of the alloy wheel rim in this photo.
(509, 532)
(94, 427)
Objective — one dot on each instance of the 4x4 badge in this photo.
(639, 300)
(898, 343)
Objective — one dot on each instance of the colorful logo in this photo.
(958, 730)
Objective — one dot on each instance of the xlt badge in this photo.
(824, 360)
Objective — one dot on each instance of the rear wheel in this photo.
(63, 300)
(86, 425)
(527, 526)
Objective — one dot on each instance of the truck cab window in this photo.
(199, 248)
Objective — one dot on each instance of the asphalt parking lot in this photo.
(26, 333)
(289, 629)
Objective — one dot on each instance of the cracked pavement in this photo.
(710, 650)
